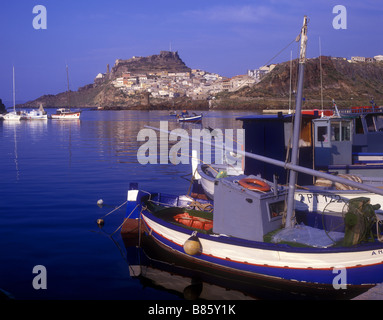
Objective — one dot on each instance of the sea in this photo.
(52, 175)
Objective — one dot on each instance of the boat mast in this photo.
(297, 127)
(67, 80)
(14, 91)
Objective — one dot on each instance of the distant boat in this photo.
(190, 118)
(65, 114)
(39, 114)
(13, 116)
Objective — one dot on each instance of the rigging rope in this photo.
(295, 40)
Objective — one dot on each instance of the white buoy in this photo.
(100, 202)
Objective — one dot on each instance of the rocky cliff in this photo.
(165, 61)
(102, 92)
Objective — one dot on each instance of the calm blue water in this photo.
(51, 175)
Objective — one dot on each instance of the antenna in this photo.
(321, 77)
(291, 67)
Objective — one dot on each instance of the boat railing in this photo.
(361, 110)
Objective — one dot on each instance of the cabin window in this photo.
(370, 123)
(359, 126)
(276, 210)
(335, 132)
(379, 122)
(346, 131)
(340, 131)
(322, 135)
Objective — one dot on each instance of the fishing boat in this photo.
(252, 232)
(39, 114)
(13, 115)
(195, 118)
(205, 174)
(65, 114)
(367, 128)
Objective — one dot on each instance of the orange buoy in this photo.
(254, 184)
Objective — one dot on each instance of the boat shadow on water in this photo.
(155, 267)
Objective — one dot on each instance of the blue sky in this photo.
(222, 36)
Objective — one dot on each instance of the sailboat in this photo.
(13, 116)
(253, 235)
(66, 113)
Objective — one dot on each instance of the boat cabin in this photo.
(270, 136)
(326, 143)
(333, 142)
(242, 213)
(368, 128)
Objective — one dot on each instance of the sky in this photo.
(227, 37)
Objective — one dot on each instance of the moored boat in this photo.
(13, 116)
(255, 234)
(65, 114)
(39, 114)
(195, 118)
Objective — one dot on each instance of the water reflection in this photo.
(154, 268)
(117, 133)
(12, 127)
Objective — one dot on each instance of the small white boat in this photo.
(13, 116)
(193, 118)
(65, 114)
(39, 114)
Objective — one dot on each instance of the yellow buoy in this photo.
(192, 246)
(100, 222)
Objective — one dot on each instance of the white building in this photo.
(379, 58)
(258, 74)
(358, 59)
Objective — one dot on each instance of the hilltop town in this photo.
(164, 80)
(166, 76)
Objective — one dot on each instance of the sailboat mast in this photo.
(67, 80)
(297, 127)
(14, 91)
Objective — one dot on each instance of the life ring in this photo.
(254, 184)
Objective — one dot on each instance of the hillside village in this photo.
(164, 81)
(195, 84)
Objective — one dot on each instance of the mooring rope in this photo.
(113, 210)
